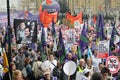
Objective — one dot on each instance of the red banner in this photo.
(78, 17)
(46, 18)
(72, 18)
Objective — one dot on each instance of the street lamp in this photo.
(9, 39)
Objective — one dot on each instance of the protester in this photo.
(20, 58)
(36, 68)
(81, 66)
(105, 71)
(17, 75)
(97, 76)
(42, 63)
(57, 71)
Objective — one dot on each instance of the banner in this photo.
(112, 63)
(25, 31)
(46, 18)
(72, 18)
(103, 49)
(16, 15)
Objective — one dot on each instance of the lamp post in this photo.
(9, 39)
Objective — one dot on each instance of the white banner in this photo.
(103, 49)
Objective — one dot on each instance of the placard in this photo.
(25, 31)
(113, 64)
(103, 49)
(69, 68)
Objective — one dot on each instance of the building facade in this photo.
(75, 6)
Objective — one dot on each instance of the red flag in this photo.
(95, 19)
(72, 19)
(78, 17)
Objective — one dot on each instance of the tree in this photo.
(63, 6)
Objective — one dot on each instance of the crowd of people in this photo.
(30, 63)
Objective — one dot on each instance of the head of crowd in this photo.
(30, 61)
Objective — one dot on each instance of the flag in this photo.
(76, 18)
(6, 38)
(83, 39)
(42, 44)
(53, 29)
(94, 19)
(89, 52)
(100, 27)
(79, 53)
(61, 47)
(79, 18)
(54, 36)
(114, 32)
(5, 61)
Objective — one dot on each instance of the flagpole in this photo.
(9, 39)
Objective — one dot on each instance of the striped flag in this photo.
(53, 29)
(61, 47)
(83, 39)
(79, 53)
(100, 27)
(114, 32)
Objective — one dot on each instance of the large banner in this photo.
(46, 18)
(103, 49)
(25, 31)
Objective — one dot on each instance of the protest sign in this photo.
(25, 31)
(103, 49)
(109, 31)
(113, 63)
(69, 68)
